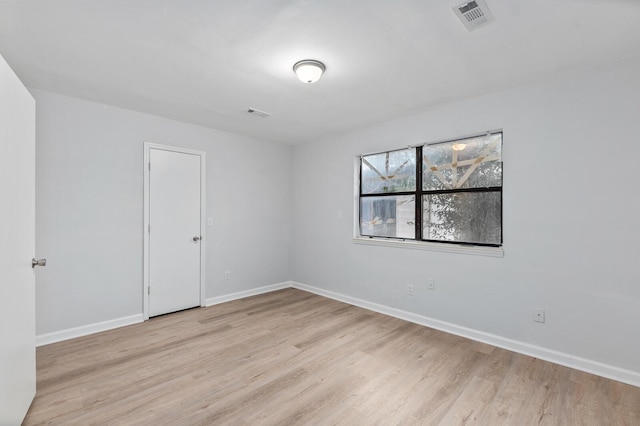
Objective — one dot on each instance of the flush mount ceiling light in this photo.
(309, 71)
(458, 146)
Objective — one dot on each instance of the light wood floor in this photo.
(291, 357)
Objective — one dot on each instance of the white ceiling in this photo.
(208, 61)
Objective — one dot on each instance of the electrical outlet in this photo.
(210, 221)
(410, 290)
(431, 283)
(227, 275)
(538, 315)
(339, 215)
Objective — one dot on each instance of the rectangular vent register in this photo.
(473, 14)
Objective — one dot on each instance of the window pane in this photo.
(470, 217)
(390, 216)
(465, 163)
(393, 171)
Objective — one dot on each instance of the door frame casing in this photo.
(148, 146)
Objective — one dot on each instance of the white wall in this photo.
(89, 209)
(571, 203)
(571, 227)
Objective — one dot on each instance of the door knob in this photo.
(39, 262)
(196, 239)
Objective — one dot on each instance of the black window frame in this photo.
(419, 193)
(382, 194)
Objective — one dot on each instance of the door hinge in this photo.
(149, 290)
(149, 165)
(149, 228)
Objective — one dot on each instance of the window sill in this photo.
(424, 245)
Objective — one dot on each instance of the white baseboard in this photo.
(568, 360)
(247, 293)
(71, 333)
(571, 361)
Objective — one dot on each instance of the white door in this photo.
(174, 230)
(17, 247)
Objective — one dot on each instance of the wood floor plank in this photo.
(294, 358)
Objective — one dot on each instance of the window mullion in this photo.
(463, 190)
(418, 196)
(384, 194)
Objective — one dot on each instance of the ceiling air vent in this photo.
(259, 113)
(473, 14)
